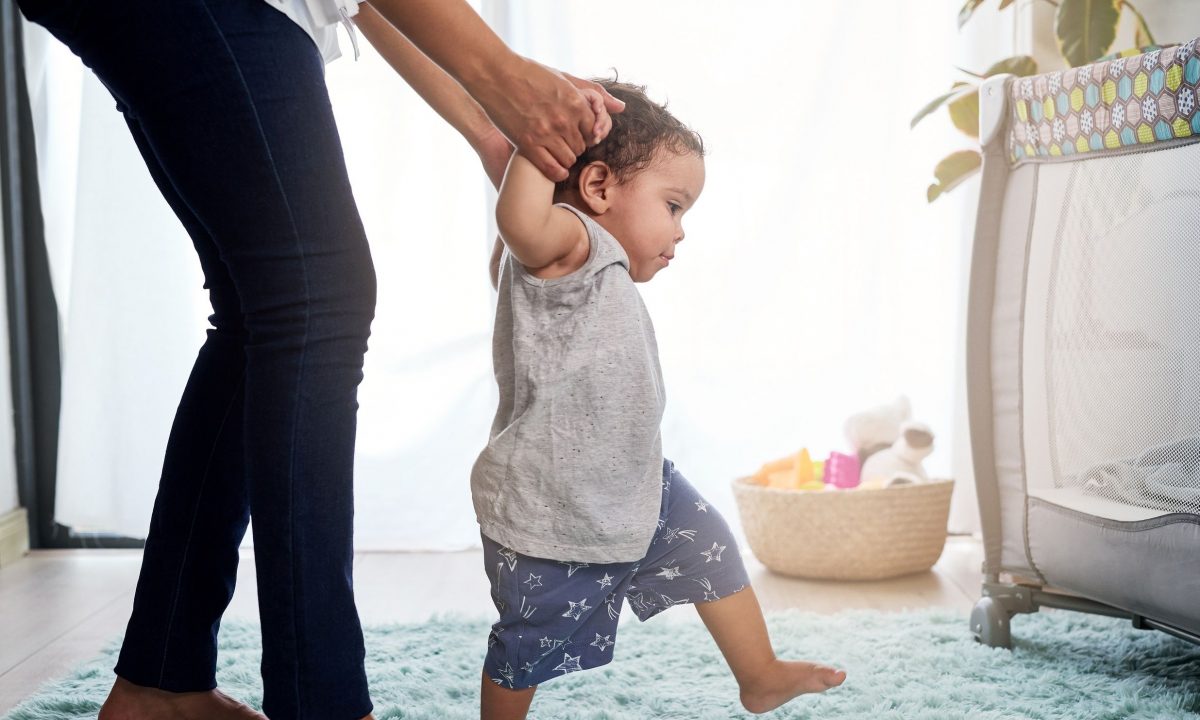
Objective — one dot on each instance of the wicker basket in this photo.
(847, 534)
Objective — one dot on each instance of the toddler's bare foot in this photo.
(127, 701)
(784, 680)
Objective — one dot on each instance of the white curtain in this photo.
(814, 281)
(128, 285)
(427, 401)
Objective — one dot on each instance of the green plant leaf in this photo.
(1019, 65)
(1086, 29)
(1141, 39)
(967, 10)
(936, 103)
(952, 170)
(964, 109)
(1142, 35)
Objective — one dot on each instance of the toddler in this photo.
(578, 510)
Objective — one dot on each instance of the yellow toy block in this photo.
(763, 476)
(794, 472)
(782, 479)
(804, 468)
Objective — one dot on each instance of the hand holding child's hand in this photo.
(495, 150)
(551, 117)
(598, 98)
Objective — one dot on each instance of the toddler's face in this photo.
(646, 213)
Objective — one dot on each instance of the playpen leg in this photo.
(990, 623)
(992, 615)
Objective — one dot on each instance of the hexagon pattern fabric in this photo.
(1110, 105)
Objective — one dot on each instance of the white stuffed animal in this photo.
(900, 464)
(873, 430)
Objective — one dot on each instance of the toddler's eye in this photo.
(674, 208)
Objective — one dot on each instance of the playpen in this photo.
(1083, 358)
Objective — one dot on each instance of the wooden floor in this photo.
(58, 608)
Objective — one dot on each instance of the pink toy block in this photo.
(842, 470)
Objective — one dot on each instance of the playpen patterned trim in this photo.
(1111, 105)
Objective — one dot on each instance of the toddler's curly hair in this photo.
(638, 134)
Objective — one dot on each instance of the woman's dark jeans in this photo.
(226, 100)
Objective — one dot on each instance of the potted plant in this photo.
(1085, 29)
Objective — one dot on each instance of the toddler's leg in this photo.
(695, 551)
(501, 703)
(556, 617)
(766, 682)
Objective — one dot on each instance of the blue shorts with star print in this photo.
(558, 617)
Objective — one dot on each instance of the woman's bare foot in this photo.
(127, 701)
(784, 680)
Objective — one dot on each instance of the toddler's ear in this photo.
(596, 181)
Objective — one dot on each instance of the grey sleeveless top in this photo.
(573, 467)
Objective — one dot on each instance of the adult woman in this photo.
(226, 101)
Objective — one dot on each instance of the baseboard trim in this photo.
(14, 536)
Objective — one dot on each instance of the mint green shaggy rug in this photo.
(903, 666)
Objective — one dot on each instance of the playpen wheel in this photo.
(990, 623)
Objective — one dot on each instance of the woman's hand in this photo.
(494, 149)
(543, 112)
(548, 115)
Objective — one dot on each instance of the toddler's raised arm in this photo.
(537, 233)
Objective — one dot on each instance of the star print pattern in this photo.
(613, 606)
(572, 567)
(561, 632)
(507, 674)
(708, 590)
(527, 610)
(496, 581)
(569, 664)
(576, 609)
(714, 553)
(603, 643)
(673, 534)
(668, 601)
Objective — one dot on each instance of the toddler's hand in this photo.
(600, 100)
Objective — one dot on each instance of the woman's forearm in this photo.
(454, 37)
(544, 112)
(442, 92)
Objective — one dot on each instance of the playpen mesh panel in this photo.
(1122, 326)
